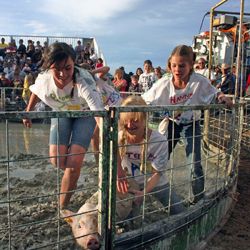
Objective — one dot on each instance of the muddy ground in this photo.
(235, 234)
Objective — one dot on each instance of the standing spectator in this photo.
(148, 77)
(79, 48)
(119, 83)
(38, 46)
(64, 86)
(3, 47)
(185, 87)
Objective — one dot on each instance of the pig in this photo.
(84, 223)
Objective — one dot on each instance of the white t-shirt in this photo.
(198, 91)
(205, 72)
(85, 92)
(157, 156)
(146, 80)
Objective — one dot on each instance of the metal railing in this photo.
(30, 187)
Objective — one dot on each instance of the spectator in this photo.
(99, 63)
(3, 47)
(79, 48)
(184, 87)
(138, 72)
(134, 86)
(21, 48)
(158, 72)
(126, 77)
(227, 82)
(203, 70)
(148, 77)
(119, 83)
(64, 86)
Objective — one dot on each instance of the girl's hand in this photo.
(121, 183)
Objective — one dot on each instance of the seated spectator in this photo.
(133, 137)
(99, 63)
(148, 77)
(119, 83)
(38, 46)
(134, 86)
(203, 70)
(227, 83)
(93, 55)
(6, 83)
(21, 48)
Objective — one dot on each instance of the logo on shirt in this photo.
(180, 99)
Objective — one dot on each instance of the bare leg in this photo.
(72, 165)
(95, 144)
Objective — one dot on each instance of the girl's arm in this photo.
(102, 71)
(32, 102)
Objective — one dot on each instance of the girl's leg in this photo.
(95, 144)
(173, 136)
(71, 173)
(162, 194)
(193, 153)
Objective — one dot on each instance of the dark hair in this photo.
(148, 62)
(56, 53)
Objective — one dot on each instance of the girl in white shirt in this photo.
(133, 147)
(185, 87)
(64, 86)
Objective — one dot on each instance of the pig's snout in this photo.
(93, 243)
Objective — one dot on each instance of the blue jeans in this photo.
(192, 137)
(162, 194)
(72, 131)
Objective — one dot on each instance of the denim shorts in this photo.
(72, 131)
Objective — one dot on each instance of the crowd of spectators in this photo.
(20, 65)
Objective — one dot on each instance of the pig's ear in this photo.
(67, 215)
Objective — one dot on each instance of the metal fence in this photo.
(30, 186)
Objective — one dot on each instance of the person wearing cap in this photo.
(227, 84)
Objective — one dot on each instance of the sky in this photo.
(127, 31)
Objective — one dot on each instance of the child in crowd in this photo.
(119, 82)
(148, 77)
(185, 87)
(139, 144)
(134, 86)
